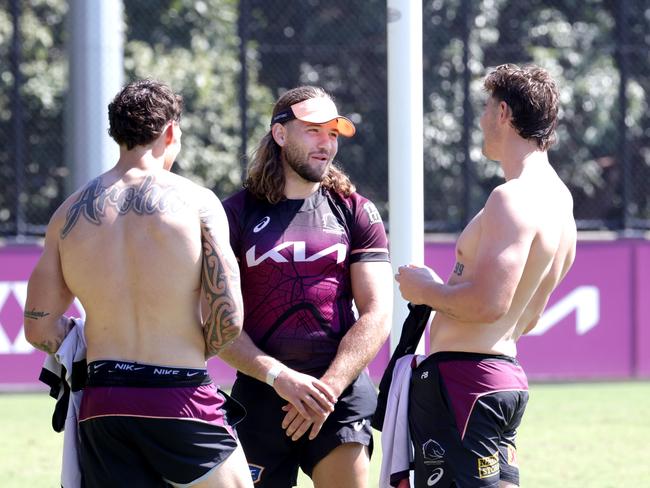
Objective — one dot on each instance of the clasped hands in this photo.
(310, 402)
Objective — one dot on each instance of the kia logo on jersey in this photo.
(299, 253)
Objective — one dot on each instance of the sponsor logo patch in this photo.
(331, 225)
(359, 425)
(488, 466)
(296, 250)
(432, 452)
(512, 456)
(256, 472)
(373, 214)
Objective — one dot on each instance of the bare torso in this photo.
(546, 206)
(136, 268)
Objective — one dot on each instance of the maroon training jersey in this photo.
(295, 259)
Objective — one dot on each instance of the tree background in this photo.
(598, 50)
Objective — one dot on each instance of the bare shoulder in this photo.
(510, 199)
(201, 197)
(74, 203)
(207, 199)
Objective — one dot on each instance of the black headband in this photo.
(283, 117)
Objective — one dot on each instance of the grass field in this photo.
(574, 435)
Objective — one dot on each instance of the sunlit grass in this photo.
(574, 435)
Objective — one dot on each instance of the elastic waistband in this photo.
(126, 373)
(468, 356)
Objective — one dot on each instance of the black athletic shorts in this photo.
(273, 457)
(153, 426)
(464, 409)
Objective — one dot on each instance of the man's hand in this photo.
(414, 280)
(295, 425)
(312, 398)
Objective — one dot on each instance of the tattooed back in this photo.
(131, 251)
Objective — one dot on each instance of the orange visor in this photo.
(319, 110)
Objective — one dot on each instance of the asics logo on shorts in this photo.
(435, 477)
(359, 425)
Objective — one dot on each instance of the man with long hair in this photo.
(467, 398)
(308, 246)
(141, 248)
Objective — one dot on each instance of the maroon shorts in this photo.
(464, 409)
(146, 425)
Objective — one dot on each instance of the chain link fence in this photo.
(230, 58)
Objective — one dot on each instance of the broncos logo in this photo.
(432, 452)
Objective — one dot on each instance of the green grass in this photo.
(574, 435)
(593, 435)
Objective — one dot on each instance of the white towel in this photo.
(397, 450)
(57, 369)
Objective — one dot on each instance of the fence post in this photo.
(466, 8)
(405, 146)
(243, 82)
(96, 75)
(622, 49)
(18, 120)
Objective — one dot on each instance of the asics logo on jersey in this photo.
(299, 254)
(263, 223)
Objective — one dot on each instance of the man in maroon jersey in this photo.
(308, 246)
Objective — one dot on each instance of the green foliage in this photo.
(194, 46)
(43, 71)
(341, 45)
(575, 42)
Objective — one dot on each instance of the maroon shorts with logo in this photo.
(464, 409)
(149, 426)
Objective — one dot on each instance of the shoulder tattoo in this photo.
(147, 198)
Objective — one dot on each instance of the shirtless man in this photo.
(141, 248)
(468, 396)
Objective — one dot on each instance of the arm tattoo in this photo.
(34, 314)
(458, 269)
(50, 346)
(222, 324)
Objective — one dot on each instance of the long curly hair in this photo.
(265, 178)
